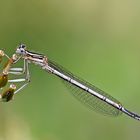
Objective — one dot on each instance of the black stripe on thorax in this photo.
(35, 55)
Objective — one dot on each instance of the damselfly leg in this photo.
(26, 78)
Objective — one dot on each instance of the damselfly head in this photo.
(21, 49)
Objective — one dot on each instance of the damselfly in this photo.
(91, 96)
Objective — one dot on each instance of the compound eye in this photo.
(22, 46)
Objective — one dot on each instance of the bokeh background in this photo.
(95, 39)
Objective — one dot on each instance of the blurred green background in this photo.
(95, 39)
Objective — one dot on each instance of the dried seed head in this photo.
(13, 86)
(14, 57)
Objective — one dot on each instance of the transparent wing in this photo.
(86, 98)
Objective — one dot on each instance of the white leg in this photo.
(23, 86)
(26, 79)
(18, 71)
(15, 73)
(17, 80)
